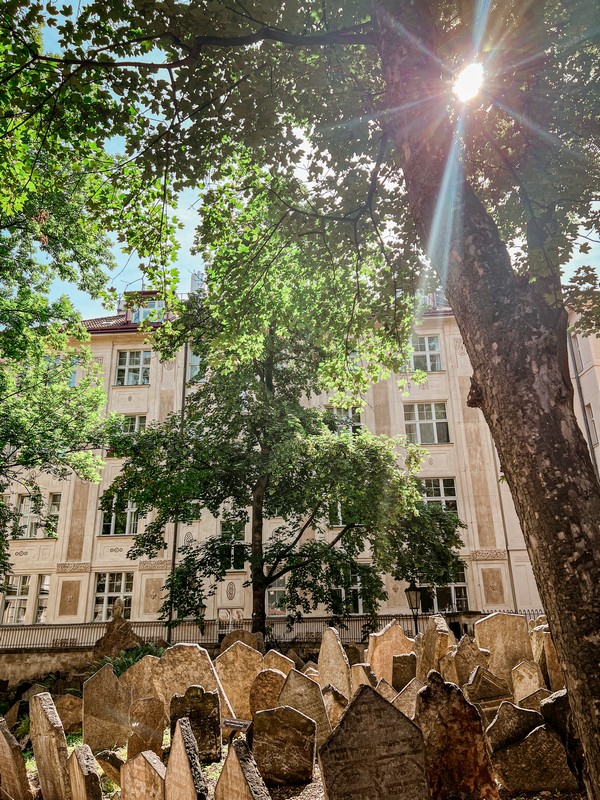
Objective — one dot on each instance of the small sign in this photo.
(237, 724)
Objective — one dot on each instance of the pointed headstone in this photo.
(240, 778)
(239, 635)
(487, 691)
(461, 660)
(275, 660)
(13, 775)
(49, 748)
(511, 724)
(386, 690)
(140, 677)
(406, 700)
(70, 711)
(147, 721)
(265, 690)
(335, 704)
(526, 678)
(374, 752)
(202, 709)
(283, 746)
(435, 644)
(334, 667)
(507, 638)
(383, 646)
(184, 779)
(83, 774)
(143, 778)
(12, 715)
(404, 669)
(304, 695)
(457, 757)
(237, 667)
(110, 762)
(361, 674)
(105, 711)
(534, 699)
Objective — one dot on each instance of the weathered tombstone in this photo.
(275, 660)
(335, 704)
(202, 709)
(105, 711)
(334, 667)
(406, 700)
(507, 638)
(139, 677)
(283, 746)
(544, 654)
(36, 688)
(265, 690)
(457, 758)
(557, 715)
(511, 724)
(383, 646)
(304, 695)
(536, 763)
(240, 778)
(13, 775)
(49, 748)
(404, 669)
(147, 721)
(119, 636)
(85, 781)
(184, 779)
(293, 656)
(526, 678)
(239, 635)
(386, 690)
(487, 691)
(110, 763)
(435, 644)
(362, 675)
(237, 668)
(461, 660)
(143, 778)
(12, 715)
(375, 752)
(70, 711)
(311, 673)
(534, 699)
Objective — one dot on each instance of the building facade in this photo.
(74, 574)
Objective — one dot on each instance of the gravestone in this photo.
(12, 715)
(526, 678)
(184, 779)
(309, 665)
(143, 778)
(383, 646)
(119, 636)
(435, 644)
(147, 721)
(202, 710)
(110, 763)
(404, 669)
(237, 668)
(549, 663)
(362, 675)
(511, 724)
(534, 699)
(70, 711)
(457, 757)
(557, 715)
(293, 656)
(375, 753)
(13, 775)
(49, 748)
(105, 711)
(461, 660)
(335, 704)
(239, 635)
(406, 700)
(283, 746)
(140, 677)
(507, 638)
(334, 667)
(240, 778)
(83, 775)
(36, 688)
(265, 690)
(304, 695)
(386, 690)
(487, 691)
(275, 660)
(311, 673)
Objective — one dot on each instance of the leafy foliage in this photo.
(126, 658)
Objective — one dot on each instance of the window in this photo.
(426, 356)
(42, 598)
(134, 424)
(591, 424)
(440, 490)
(349, 601)
(233, 551)
(29, 520)
(109, 587)
(195, 370)
(16, 592)
(133, 368)
(275, 598)
(151, 308)
(426, 423)
(53, 512)
(122, 522)
(347, 418)
(452, 598)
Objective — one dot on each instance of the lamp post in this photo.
(413, 596)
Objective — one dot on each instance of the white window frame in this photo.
(427, 417)
(459, 596)
(117, 585)
(147, 309)
(15, 598)
(591, 424)
(54, 501)
(239, 539)
(28, 519)
(352, 600)
(43, 592)
(427, 353)
(131, 521)
(133, 368)
(442, 491)
(196, 370)
(274, 594)
(134, 423)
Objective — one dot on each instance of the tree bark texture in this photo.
(515, 334)
(259, 613)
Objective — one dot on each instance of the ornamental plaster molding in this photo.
(489, 555)
(74, 566)
(158, 565)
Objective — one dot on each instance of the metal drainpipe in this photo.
(588, 433)
(176, 523)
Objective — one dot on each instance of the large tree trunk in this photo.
(515, 335)
(259, 585)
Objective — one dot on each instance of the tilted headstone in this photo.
(507, 638)
(293, 656)
(383, 646)
(536, 763)
(435, 644)
(184, 779)
(265, 690)
(303, 694)
(105, 711)
(140, 677)
(147, 721)
(334, 667)
(202, 709)
(534, 699)
(406, 700)
(557, 715)
(119, 636)
(12, 715)
(309, 665)
(283, 746)
(511, 724)
(37, 688)
(237, 668)
(85, 781)
(375, 752)
(526, 678)
(49, 748)
(550, 665)
(275, 660)
(361, 674)
(461, 660)
(311, 673)
(143, 778)
(457, 757)
(70, 711)
(13, 775)
(110, 763)
(335, 704)
(386, 690)
(487, 691)
(404, 669)
(239, 635)
(240, 778)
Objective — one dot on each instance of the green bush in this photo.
(126, 658)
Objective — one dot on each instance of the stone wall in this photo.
(35, 664)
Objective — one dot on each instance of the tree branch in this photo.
(317, 556)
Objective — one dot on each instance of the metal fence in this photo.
(310, 629)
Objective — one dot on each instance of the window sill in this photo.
(130, 386)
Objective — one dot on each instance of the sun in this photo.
(468, 82)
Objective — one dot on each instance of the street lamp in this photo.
(413, 595)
